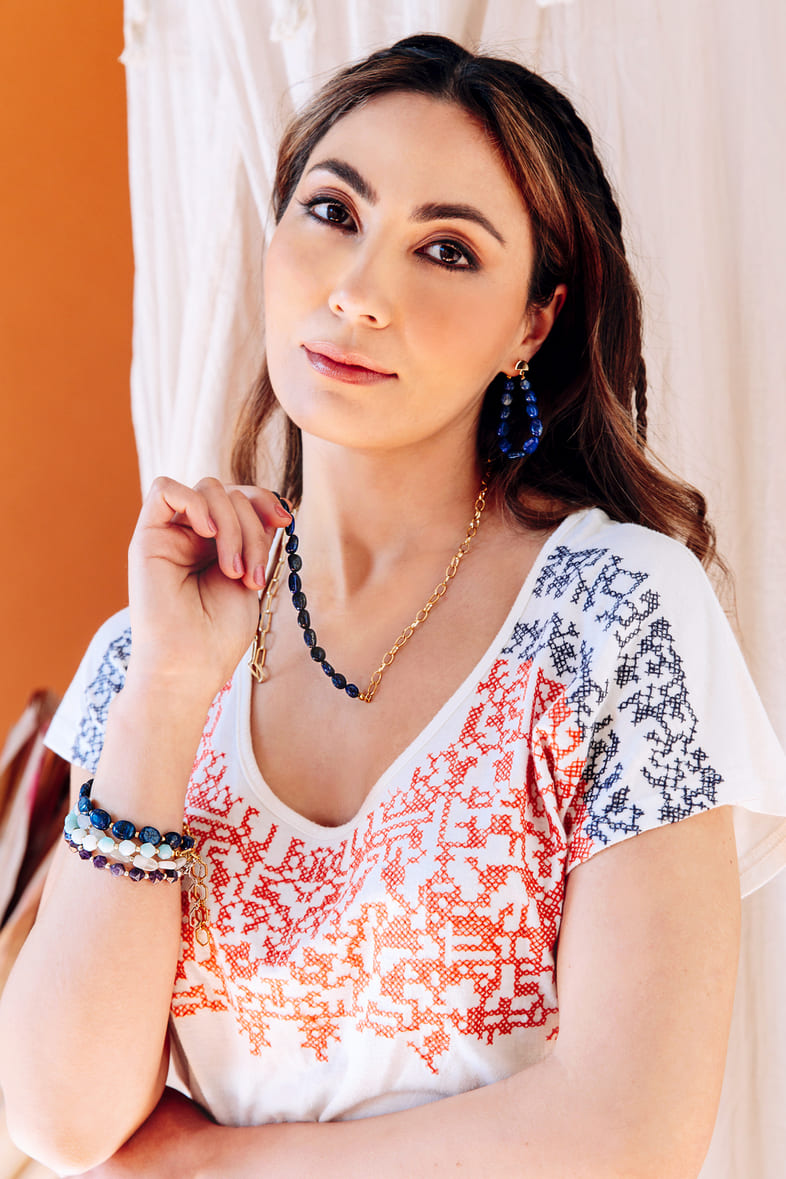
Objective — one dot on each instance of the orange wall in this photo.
(68, 473)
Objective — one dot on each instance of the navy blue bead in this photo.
(503, 429)
(172, 838)
(532, 411)
(300, 603)
(536, 428)
(510, 385)
(524, 384)
(530, 446)
(531, 399)
(186, 842)
(123, 829)
(84, 804)
(136, 873)
(150, 835)
(100, 819)
(504, 445)
(507, 398)
(84, 790)
(504, 413)
(290, 527)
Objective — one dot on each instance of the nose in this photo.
(360, 295)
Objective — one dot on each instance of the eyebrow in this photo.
(349, 174)
(447, 212)
(433, 211)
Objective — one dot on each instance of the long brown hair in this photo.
(589, 374)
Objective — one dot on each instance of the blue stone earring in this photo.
(531, 407)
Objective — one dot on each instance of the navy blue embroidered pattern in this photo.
(106, 683)
(636, 698)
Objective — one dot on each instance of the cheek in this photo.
(469, 330)
(287, 280)
(283, 276)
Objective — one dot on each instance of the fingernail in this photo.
(237, 564)
(282, 512)
(212, 525)
(259, 576)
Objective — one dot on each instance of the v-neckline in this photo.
(328, 834)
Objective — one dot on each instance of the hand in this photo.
(196, 564)
(165, 1145)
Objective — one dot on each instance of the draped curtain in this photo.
(687, 103)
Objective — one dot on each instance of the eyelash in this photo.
(311, 205)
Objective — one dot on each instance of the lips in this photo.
(353, 367)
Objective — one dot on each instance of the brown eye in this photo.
(335, 213)
(450, 255)
(330, 212)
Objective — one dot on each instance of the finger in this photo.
(256, 539)
(267, 505)
(229, 534)
(169, 500)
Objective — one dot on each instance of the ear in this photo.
(540, 320)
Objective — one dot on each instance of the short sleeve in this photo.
(77, 729)
(669, 721)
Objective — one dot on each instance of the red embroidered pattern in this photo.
(438, 916)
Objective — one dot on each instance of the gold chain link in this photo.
(438, 593)
(197, 895)
(259, 651)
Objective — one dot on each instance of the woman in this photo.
(396, 849)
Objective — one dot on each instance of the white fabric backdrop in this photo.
(688, 105)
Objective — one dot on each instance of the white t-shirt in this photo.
(409, 953)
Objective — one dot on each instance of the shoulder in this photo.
(628, 637)
(77, 730)
(591, 557)
(612, 580)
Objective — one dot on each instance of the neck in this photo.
(363, 514)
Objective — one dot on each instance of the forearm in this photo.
(544, 1123)
(84, 1014)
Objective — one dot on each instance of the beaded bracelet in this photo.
(117, 868)
(123, 829)
(143, 854)
(86, 834)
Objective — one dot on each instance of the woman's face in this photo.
(395, 283)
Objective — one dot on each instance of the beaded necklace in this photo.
(289, 549)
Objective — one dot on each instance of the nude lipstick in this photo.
(351, 367)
